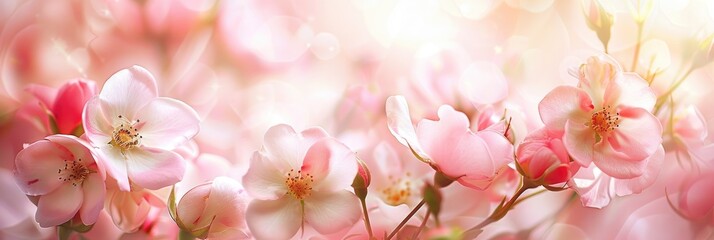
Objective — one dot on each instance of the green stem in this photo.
(637, 47)
(501, 211)
(663, 98)
(421, 227)
(396, 230)
(63, 233)
(367, 223)
(530, 196)
(184, 235)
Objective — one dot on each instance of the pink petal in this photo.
(400, 125)
(167, 123)
(263, 180)
(14, 206)
(274, 219)
(616, 164)
(637, 185)
(96, 127)
(155, 168)
(93, 202)
(191, 206)
(79, 149)
(44, 94)
(59, 206)
(564, 103)
(286, 148)
(638, 135)
(632, 91)
(128, 209)
(37, 166)
(115, 164)
(70, 101)
(579, 140)
(500, 149)
(594, 192)
(227, 202)
(693, 125)
(333, 165)
(330, 212)
(127, 91)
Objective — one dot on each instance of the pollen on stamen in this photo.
(299, 185)
(126, 136)
(73, 172)
(605, 120)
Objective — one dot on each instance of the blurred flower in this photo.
(449, 146)
(61, 171)
(695, 199)
(135, 131)
(299, 178)
(214, 210)
(543, 158)
(599, 21)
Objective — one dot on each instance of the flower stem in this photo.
(501, 210)
(396, 230)
(63, 233)
(421, 227)
(637, 47)
(367, 224)
(184, 235)
(663, 98)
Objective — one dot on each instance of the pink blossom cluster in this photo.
(392, 119)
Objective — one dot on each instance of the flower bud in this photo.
(69, 104)
(362, 179)
(544, 159)
(213, 210)
(599, 21)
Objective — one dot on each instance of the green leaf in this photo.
(433, 199)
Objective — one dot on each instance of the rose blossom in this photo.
(66, 103)
(543, 158)
(471, 158)
(300, 179)
(135, 131)
(61, 171)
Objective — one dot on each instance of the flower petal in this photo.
(400, 125)
(632, 91)
(96, 127)
(638, 135)
(59, 206)
(564, 103)
(127, 91)
(625, 187)
(286, 148)
(616, 164)
(274, 219)
(330, 212)
(155, 168)
(579, 140)
(333, 165)
(93, 202)
(263, 180)
(593, 187)
(191, 207)
(70, 101)
(36, 167)
(115, 164)
(167, 123)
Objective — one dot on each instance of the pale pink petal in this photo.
(115, 164)
(333, 165)
(167, 123)
(579, 140)
(128, 209)
(564, 103)
(400, 125)
(191, 206)
(637, 185)
(59, 206)
(284, 147)
(93, 202)
(14, 205)
(155, 168)
(227, 202)
(274, 219)
(695, 198)
(594, 192)
(127, 91)
(263, 180)
(46, 95)
(37, 166)
(96, 127)
(693, 125)
(500, 149)
(617, 164)
(638, 135)
(631, 90)
(330, 212)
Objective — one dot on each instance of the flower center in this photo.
(125, 136)
(74, 171)
(398, 191)
(605, 120)
(299, 184)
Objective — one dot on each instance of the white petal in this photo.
(59, 206)
(274, 219)
(155, 168)
(127, 91)
(330, 212)
(400, 125)
(263, 180)
(166, 123)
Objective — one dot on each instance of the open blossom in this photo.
(300, 179)
(471, 158)
(609, 131)
(607, 121)
(135, 131)
(218, 206)
(543, 157)
(62, 172)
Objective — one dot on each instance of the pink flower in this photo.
(135, 131)
(65, 105)
(607, 121)
(471, 158)
(543, 157)
(300, 178)
(217, 207)
(695, 199)
(131, 210)
(61, 171)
